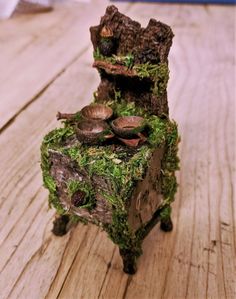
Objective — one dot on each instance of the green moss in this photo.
(165, 213)
(159, 73)
(113, 166)
(121, 234)
(119, 230)
(50, 184)
(57, 136)
(127, 60)
(155, 71)
(165, 132)
(73, 152)
(120, 170)
(158, 128)
(170, 164)
(122, 108)
(97, 55)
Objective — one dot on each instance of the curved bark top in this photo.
(153, 41)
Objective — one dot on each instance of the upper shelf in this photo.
(153, 72)
(115, 69)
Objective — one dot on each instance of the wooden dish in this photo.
(128, 126)
(92, 132)
(96, 112)
(138, 140)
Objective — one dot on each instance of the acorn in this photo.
(78, 198)
(107, 42)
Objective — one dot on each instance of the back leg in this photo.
(167, 225)
(166, 222)
(129, 261)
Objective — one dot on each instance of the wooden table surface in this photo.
(45, 65)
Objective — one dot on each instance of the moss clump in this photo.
(121, 234)
(73, 152)
(157, 130)
(56, 137)
(127, 60)
(159, 73)
(97, 55)
(165, 213)
(154, 71)
(170, 164)
(123, 108)
(120, 170)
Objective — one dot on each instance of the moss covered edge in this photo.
(157, 73)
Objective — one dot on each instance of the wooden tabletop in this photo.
(45, 65)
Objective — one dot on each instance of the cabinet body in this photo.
(122, 186)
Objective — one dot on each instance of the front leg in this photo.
(129, 261)
(60, 225)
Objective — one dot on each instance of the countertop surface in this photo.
(45, 66)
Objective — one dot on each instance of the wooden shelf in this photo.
(114, 69)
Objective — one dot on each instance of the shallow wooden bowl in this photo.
(128, 126)
(92, 132)
(96, 112)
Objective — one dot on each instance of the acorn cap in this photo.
(106, 32)
(96, 112)
(128, 126)
(92, 131)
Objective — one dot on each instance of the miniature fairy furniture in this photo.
(113, 163)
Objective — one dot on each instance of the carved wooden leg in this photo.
(129, 261)
(60, 225)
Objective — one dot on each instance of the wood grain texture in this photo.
(197, 259)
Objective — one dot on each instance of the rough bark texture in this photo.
(147, 45)
(63, 169)
(145, 200)
(147, 196)
(130, 37)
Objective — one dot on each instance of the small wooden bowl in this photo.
(138, 140)
(96, 112)
(128, 126)
(92, 132)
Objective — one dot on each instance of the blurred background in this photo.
(8, 7)
(46, 61)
